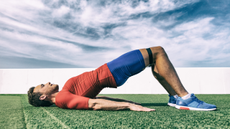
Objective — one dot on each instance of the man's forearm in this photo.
(116, 99)
(102, 104)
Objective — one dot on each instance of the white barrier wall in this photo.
(195, 80)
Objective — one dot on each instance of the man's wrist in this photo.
(130, 105)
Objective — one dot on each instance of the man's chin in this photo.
(56, 89)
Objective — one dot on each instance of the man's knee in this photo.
(158, 50)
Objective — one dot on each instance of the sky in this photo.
(89, 33)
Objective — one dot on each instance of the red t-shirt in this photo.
(78, 90)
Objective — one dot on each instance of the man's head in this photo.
(41, 94)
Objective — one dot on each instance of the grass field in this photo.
(15, 112)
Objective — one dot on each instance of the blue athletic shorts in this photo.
(126, 66)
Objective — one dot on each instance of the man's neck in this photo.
(52, 97)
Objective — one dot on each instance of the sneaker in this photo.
(193, 103)
(172, 101)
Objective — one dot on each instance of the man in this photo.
(80, 92)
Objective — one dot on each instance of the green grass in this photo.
(15, 112)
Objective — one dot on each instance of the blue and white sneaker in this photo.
(193, 103)
(172, 101)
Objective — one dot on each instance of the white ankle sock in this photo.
(186, 96)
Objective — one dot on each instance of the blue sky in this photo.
(89, 33)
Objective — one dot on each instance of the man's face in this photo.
(46, 89)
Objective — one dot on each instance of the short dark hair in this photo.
(33, 98)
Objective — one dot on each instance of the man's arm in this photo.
(116, 99)
(103, 104)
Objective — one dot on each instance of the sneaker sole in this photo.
(191, 108)
(172, 104)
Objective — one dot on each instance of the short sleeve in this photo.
(65, 99)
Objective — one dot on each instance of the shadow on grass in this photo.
(153, 104)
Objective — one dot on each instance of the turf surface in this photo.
(15, 112)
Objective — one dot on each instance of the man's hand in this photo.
(103, 104)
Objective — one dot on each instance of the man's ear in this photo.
(42, 97)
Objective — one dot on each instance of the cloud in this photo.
(89, 33)
(200, 40)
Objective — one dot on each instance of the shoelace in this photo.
(199, 101)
